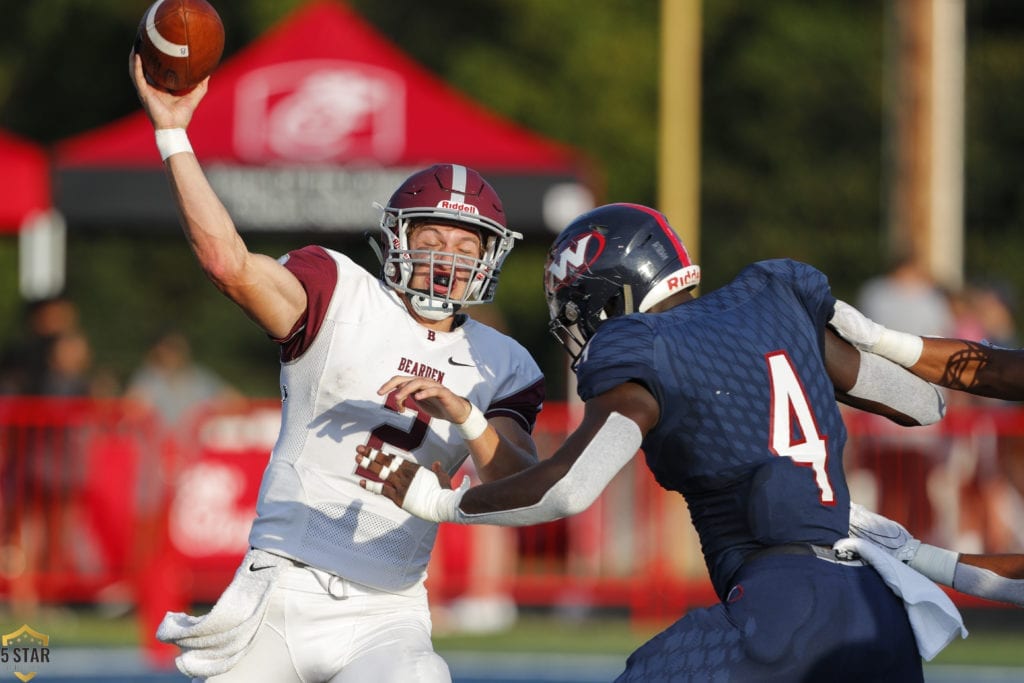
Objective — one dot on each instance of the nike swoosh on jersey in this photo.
(452, 361)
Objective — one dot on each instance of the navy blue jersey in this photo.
(750, 432)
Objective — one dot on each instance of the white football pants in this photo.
(322, 629)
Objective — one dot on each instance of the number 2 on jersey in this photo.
(388, 435)
(789, 406)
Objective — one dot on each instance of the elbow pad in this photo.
(884, 382)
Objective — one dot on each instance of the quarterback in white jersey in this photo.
(311, 507)
(332, 588)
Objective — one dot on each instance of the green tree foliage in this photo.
(994, 141)
(792, 136)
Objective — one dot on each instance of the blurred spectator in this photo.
(906, 298)
(981, 494)
(992, 306)
(171, 382)
(23, 362)
(893, 466)
(48, 469)
(67, 366)
(54, 463)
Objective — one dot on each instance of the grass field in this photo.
(997, 636)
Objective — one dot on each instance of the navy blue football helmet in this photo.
(613, 260)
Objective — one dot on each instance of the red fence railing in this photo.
(101, 503)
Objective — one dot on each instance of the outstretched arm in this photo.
(972, 367)
(567, 483)
(267, 291)
(989, 576)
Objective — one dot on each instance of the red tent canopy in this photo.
(24, 181)
(307, 126)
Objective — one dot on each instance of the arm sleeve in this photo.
(884, 382)
(985, 583)
(614, 444)
(612, 447)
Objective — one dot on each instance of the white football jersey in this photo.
(356, 335)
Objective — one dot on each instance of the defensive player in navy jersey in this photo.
(732, 398)
(332, 590)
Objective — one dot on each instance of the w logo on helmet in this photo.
(575, 258)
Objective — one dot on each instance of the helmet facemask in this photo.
(480, 274)
(569, 331)
(574, 322)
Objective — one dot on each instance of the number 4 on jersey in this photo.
(790, 407)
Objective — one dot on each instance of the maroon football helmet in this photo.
(614, 260)
(453, 195)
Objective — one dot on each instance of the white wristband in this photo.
(938, 564)
(474, 426)
(172, 141)
(899, 347)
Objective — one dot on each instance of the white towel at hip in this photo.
(213, 643)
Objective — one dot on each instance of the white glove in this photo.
(883, 532)
(867, 335)
(427, 500)
(854, 326)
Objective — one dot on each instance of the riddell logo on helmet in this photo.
(456, 206)
(684, 281)
(690, 277)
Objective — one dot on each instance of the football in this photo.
(180, 42)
